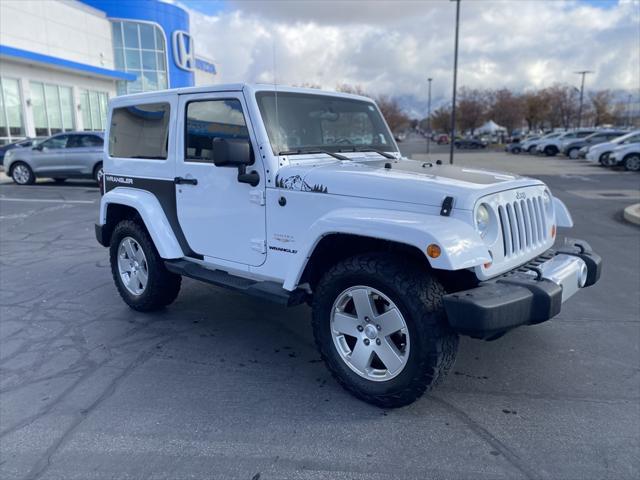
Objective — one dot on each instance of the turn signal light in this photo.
(433, 250)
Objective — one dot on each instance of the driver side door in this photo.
(49, 157)
(221, 217)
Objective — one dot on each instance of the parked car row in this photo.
(610, 147)
(61, 156)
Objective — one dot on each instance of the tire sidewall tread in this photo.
(419, 296)
(162, 286)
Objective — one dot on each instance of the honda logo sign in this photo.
(183, 53)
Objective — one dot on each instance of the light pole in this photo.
(455, 83)
(583, 73)
(429, 119)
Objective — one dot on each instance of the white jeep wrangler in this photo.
(299, 195)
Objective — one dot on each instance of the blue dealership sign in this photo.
(173, 20)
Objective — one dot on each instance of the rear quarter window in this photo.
(140, 131)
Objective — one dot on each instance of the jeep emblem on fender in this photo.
(183, 52)
(521, 195)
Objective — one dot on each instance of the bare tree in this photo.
(392, 113)
(506, 109)
(471, 109)
(440, 119)
(602, 103)
(535, 109)
(564, 103)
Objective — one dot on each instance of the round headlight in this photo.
(483, 217)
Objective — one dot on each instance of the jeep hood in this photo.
(408, 181)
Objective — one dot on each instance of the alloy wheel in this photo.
(21, 174)
(370, 333)
(632, 163)
(132, 266)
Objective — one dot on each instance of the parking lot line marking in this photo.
(44, 200)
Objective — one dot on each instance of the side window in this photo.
(90, 141)
(209, 119)
(56, 142)
(140, 131)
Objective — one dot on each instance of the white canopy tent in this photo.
(491, 128)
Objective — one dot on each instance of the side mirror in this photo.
(38, 147)
(231, 152)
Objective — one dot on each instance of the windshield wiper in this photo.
(370, 149)
(314, 150)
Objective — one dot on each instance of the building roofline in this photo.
(61, 63)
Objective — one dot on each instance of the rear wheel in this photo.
(550, 151)
(380, 327)
(98, 173)
(531, 149)
(138, 270)
(573, 153)
(22, 174)
(632, 163)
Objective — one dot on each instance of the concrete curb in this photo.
(632, 214)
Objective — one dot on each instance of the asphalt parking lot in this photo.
(221, 386)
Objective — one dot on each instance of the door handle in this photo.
(183, 181)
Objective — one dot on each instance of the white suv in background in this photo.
(552, 146)
(600, 152)
(627, 155)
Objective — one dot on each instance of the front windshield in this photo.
(301, 121)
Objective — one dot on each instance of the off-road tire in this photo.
(31, 178)
(418, 295)
(162, 286)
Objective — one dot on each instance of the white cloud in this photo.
(392, 47)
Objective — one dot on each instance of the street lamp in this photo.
(455, 83)
(429, 119)
(583, 73)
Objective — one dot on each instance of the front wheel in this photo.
(22, 174)
(632, 163)
(380, 327)
(138, 270)
(550, 151)
(573, 153)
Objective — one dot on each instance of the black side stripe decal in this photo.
(165, 192)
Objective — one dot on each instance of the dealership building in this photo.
(61, 61)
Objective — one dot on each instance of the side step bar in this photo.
(271, 291)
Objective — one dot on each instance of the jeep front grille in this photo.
(523, 224)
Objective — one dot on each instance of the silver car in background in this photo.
(61, 156)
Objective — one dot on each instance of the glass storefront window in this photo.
(52, 107)
(11, 120)
(94, 109)
(139, 48)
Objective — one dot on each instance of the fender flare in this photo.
(563, 216)
(153, 216)
(461, 246)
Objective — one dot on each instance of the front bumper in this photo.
(529, 295)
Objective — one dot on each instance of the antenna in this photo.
(275, 90)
